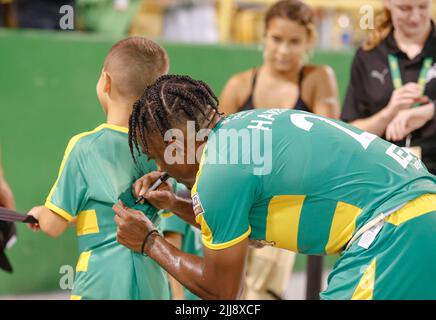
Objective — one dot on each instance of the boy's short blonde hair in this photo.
(135, 63)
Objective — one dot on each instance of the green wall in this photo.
(47, 95)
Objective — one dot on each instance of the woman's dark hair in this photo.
(294, 10)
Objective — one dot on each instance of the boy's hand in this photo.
(162, 198)
(35, 212)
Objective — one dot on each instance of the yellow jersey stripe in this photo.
(342, 228)
(283, 220)
(87, 223)
(413, 209)
(365, 288)
(83, 262)
(67, 216)
(167, 214)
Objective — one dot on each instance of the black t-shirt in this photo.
(371, 87)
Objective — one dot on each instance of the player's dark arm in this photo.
(175, 239)
(217, 275)
(182, 207)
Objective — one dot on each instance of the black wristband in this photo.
(145, 240)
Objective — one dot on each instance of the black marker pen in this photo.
(155, 185)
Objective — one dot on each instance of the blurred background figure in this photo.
(39, 14)
(111, 17)
(193, 21)
(392, 91)
(7, 229)
(4, 6)
(190, 21)
(283, 80)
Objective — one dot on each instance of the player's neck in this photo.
(118, 115)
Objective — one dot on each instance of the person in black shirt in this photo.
(392, 90)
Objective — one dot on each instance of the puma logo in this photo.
(379, 75)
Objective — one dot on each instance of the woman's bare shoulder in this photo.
(318, 71)
(241, 80)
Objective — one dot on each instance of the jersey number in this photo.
(400, 155)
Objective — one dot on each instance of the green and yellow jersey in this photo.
(191, 240)
(96, 169)
(298, 181)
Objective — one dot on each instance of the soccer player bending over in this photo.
(325, 187)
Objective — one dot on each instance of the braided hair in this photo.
(170, 101)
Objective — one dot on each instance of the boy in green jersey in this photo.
(289, 179)
(96, 170)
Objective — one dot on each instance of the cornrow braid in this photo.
(133, 144)
(170, 101)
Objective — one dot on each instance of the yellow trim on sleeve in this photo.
(83, 262)
(220, 246)
(200, 167)
(413, 209)
(87, 223)
(365, 288)
(207, 237)
(73, 297)
(206, 233)
(59, 211)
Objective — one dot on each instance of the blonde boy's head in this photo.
(131, 65)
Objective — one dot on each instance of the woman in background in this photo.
(393, 79)
(284, 80)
